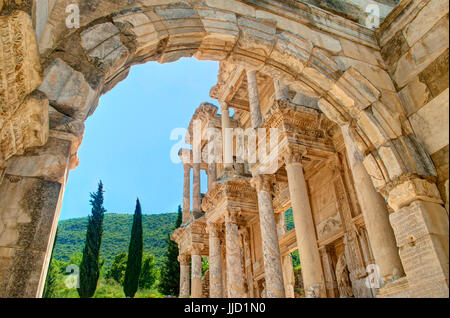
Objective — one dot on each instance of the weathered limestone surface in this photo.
(196, 274)
(215, 262)
(391, 84)
(184, 276)
(235, 283)
(186, 193)
(381, 235)
(29, 210)
(304, 228)
(23, 117)
(255, 109)
(271, 250)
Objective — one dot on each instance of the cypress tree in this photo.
(90, 263)
(134, 263)
(170, 269)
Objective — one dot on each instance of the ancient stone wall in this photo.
(390, 86)
(414, 46)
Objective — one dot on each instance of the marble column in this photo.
(227, 142)
(184, 276)
(235, 281)
(281, 90)
(196, 198)
(248, 261)
(186, 193)
(196, 274)
(271, 250)
(253, 99)
(375, 213)
(212, 175)
(215, 261)
(286, 261)
(304, 227)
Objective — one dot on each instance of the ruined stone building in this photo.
(356, 90)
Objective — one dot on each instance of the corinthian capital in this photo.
(262, 182)
(293, 154)
(213, 229)
(197, 248)
(183, 259)
(232, 215)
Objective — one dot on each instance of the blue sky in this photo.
(127, 142)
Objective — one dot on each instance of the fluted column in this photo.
(253, 99)
(196, 188)
(227, 142)
(196, 274)
(281, 90)
(235, 281)
(286, 261)
(186, 193)
(271, 250)
(215, 261)
(184, 275)
(304, 227)
(375, 213)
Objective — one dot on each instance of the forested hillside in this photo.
(116, 235)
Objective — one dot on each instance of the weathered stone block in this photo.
(372, 128)
(377, 76)
(431, 121)
(423, 53)
(332, 112)
(393, 50)
(412, 190)
(258, 36)
(388, 118)
(103, 45)
(436, 74)
(291, 50)
(49, 162)
(20, 68)
(425, 20)
(27, 127)
(68, 90)
(414, 95)
(419, 219)
(359, 52)
(441, 162)
(376, 172)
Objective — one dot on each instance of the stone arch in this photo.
(113, 36)
(310, 55)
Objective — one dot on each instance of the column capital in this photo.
(412, 189)
(185, 156)
(223, 105)
(197, 248)
(232, 215)
(292, 155)
(213, 229)
(262, 182)
(183, 259)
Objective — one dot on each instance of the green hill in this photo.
(116, 235)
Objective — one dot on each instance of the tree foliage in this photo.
(90, 263)
(52, 274)
(116, 236)
(170, 270)
(149, 272)
(118, 267)
(134, 262)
